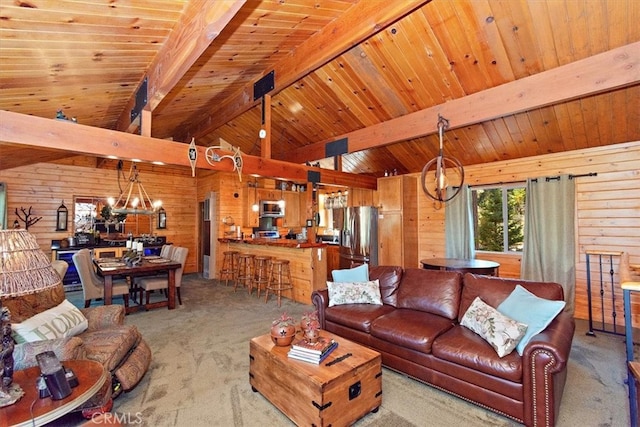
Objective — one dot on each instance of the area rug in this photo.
(199, 375)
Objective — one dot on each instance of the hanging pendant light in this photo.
(442, 177)
(134, 199)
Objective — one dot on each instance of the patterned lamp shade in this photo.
(24, 268)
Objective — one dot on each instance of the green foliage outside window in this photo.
(491, 206)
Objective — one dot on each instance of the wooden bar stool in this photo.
(228, 270)
(280, 279)
(244, 275)
(262, 267)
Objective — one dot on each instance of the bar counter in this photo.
(307, 261)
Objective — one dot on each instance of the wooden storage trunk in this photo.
(318, 395)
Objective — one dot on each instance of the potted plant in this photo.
(307, 318)
(312, 332)
(283, 330)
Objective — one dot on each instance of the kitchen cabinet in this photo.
(269, 194)
(251, 217)
(360, 197)
(110, 252)
(291, 209)
(398, 221)
(333, 260)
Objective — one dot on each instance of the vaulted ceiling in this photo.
(515, 78)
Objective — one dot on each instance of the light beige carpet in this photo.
(199, 375)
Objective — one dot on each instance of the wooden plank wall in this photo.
(229, 191)
(608, 210)
(45, 185)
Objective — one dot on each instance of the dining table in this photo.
(109, 268)
(476, 266)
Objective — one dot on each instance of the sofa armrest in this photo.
(69, 348)
(544, 370)
(320, 299)
(556, 339)
(104, 316)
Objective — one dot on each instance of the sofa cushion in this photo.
(356, 316)
(494, 290)
(432, 291)
(354, 293)
(63, 320)
(410, 328)
(464, 347)
(110, 346)
(389, 278)
(356, 274)
(502, 332)
(536, 312)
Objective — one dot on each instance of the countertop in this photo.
(283, 243)
(57, 247)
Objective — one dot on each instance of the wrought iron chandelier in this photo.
(442, 177)
(134, 199)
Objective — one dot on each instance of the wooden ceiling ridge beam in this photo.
(359, 22)
(607, 71)
(23, 129)
(201, 22)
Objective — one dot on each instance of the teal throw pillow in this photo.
(356, 274)
(525, 307)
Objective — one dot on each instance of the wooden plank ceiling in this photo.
(341, 66)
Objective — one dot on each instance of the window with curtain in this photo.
(498, 217)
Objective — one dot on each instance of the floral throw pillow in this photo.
(502, 332)
(354, 293)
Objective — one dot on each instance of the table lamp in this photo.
(24, 269)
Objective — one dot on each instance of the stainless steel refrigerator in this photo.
(358, 235)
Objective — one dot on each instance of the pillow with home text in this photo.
(64, 320)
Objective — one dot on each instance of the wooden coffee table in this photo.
(91, 377)
(318, 395)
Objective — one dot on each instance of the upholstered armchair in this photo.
(107, 339)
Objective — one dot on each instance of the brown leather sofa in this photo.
(417, 331)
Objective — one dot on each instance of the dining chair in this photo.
(60, 267)
(165, 252)
(149, 284)
(92, 284)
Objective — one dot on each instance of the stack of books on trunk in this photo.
(312, 352)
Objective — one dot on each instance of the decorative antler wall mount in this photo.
(212, 156)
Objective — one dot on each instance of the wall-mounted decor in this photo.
(62, 215)
(26, 217)
(162, 219)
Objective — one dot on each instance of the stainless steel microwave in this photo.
(271, 208)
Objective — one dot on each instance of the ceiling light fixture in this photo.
(134, 199)
(442, 177)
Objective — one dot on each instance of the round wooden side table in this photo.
(476, 266)
(91, 377)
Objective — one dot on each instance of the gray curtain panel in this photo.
(458, 226)
(549, 234)
(3, 206)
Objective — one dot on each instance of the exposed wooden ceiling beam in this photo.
(360, 22)
(16, 128)
(200, 24)
(603, 72)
